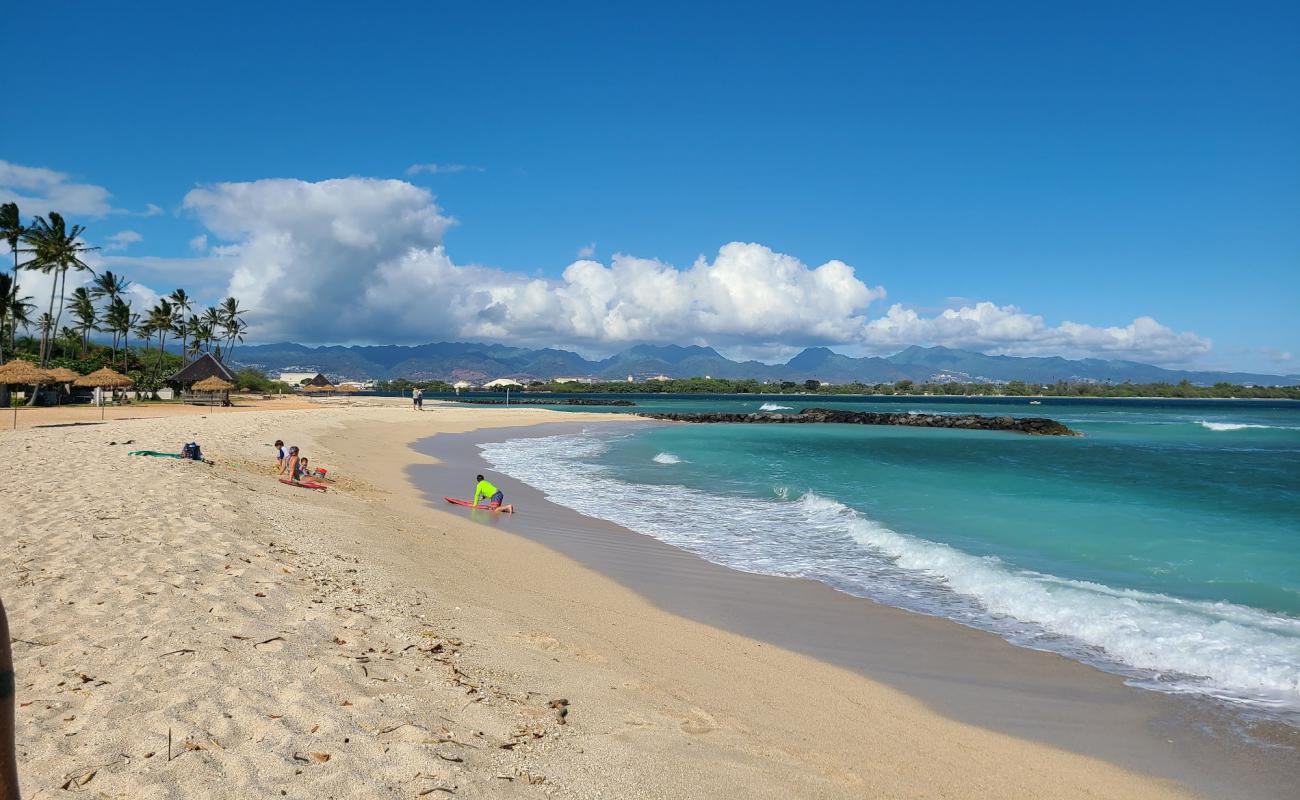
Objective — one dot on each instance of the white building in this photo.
(500, 382)
(458, 385)
(660, 378)
(573, 380)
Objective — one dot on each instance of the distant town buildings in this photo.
(295, 378)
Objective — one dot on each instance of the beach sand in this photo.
(360, 643)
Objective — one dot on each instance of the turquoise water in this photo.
(1164, 544)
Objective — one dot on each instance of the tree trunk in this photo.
(45, 337)
(63, 288)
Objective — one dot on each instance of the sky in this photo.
(1118, 180)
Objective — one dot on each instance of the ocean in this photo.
(1163, 545)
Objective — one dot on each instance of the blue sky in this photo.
(1090, 163)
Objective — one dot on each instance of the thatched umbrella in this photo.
(22, 373)
(63, 374)
(213, 384)
(104, 378)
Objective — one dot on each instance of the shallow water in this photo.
(1164, 545)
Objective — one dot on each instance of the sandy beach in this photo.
(192, 631)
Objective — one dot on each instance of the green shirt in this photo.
(484, 490)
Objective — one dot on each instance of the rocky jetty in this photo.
(532, 401)
(1035, 426)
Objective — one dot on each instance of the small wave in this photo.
(666, 458)
(1231, 426)
(774, 407)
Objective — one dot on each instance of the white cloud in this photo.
(362, 259)
(38, 191)
(1008, 330)
(122, 240)
(441, 169)
(152, 210)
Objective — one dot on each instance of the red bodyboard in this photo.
(303, 484)
(455, 501)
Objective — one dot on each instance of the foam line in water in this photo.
(1167, 643)
(666, 458)
(774, 407)
(1237, 426)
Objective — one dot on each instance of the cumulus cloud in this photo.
(199, 244)
(441, 169)
(38, 190)
(122, 240)
(587, 250)
(361, 259)
(1008, 330)
(151, 210)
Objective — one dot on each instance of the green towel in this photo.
(154, 453)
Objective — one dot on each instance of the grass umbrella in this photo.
(22, 373)
(63, 374)
(213, 384)
(102, 379)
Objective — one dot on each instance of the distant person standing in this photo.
(417, 398)
(8, 758)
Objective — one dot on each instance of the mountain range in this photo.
(452, 361)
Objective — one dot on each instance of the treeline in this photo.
(1185, 389)
(60, 336)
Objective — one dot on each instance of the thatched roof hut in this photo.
(321, 381)
(105, 377)
(205, 366)
(213, 384)
(23, 373)
(63, 375)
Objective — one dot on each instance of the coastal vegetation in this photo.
(61, 335)
(1184, 389)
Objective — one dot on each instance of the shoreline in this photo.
(980, 678)
(351, 643)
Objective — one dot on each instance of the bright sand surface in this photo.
(358, 643)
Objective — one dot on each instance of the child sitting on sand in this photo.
(292, 465)
(279, 455)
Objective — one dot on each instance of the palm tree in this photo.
(144, 329)
(110, 287)
(232, 323)
(82, 307)
(200, 334)
(212, 320)
(56, 248)
(119, 320)
(7, 288)
(182, 303)
(160, 318)
(11, 229)
(20, 315)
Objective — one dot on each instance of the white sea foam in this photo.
(1230, 426)
(774, 407)
(666, 458)
(1217, 649)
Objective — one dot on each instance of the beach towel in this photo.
(154, 453)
